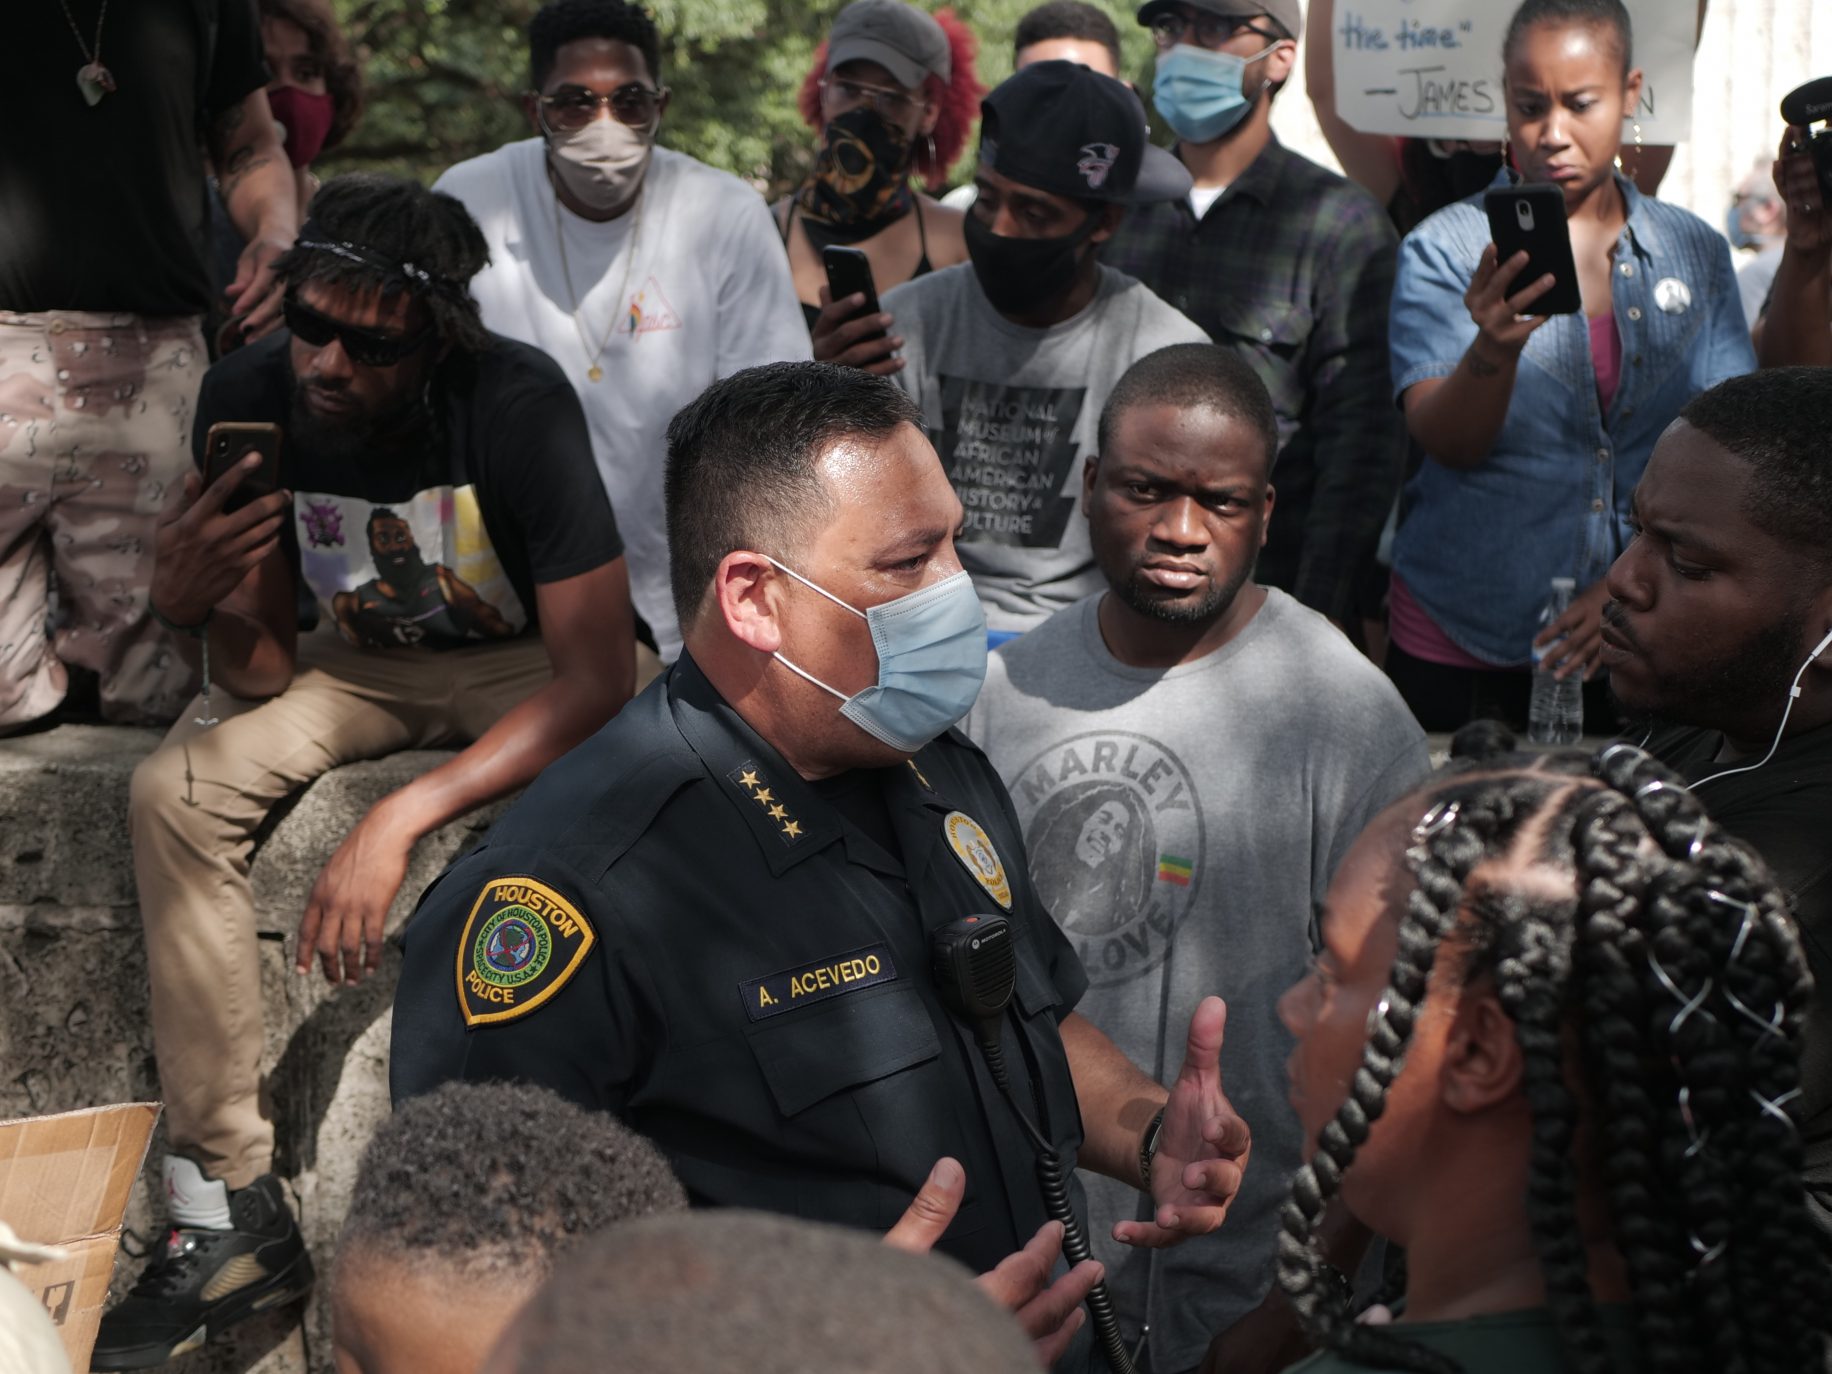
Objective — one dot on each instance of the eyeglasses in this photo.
(364, 346)
(840, 94)
(571, 108)
(1204, 30)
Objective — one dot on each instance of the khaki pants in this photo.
(95, 439)
(196, 804)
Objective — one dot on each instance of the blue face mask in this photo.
(1734, 231)
(931, 662)
(1199, 92)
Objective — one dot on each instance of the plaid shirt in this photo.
(1292, 268)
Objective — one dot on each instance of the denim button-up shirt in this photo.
(1478, 549)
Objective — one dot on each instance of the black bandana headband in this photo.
(312, 237)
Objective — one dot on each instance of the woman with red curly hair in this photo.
(893, 93)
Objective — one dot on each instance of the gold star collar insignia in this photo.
(749, 780)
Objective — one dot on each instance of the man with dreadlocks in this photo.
(1551, 1048)
(474, 451)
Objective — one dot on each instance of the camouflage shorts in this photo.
(95, 437)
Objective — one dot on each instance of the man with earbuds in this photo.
(1715, 634)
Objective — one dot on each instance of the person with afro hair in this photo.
(464, 1202)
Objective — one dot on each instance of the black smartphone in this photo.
(228, 443)
(1532, 216)
(849, 272)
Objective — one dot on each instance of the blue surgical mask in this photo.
(1734, 231)
(931, 662)
(1199, 92)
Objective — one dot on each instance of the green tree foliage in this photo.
(445, 78)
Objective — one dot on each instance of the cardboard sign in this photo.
(64, 1181)
(1432, 68)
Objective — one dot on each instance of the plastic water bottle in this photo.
(1556, 713)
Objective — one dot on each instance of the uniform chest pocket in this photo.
(843, 1044)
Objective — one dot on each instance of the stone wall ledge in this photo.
(74, 1025)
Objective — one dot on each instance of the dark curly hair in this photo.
(1724, 1262)
(1776, 420)
(343, 77)
(560, 22)
(389, 225)
(494, 1177)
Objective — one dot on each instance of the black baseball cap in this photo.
(1066, 129)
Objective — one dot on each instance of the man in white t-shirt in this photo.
(644, 273)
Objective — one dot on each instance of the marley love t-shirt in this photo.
(440, 540)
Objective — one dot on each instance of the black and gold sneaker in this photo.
(206, 1280)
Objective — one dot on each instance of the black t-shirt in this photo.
(1781, 810)
(103, 207)
(443, 544)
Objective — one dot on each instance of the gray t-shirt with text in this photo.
(1013, 413)
(1181, 825)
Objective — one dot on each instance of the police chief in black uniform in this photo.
(714, 918)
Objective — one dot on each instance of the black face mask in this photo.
(1022, 276)
(860, 182)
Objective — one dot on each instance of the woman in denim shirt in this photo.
(1536, 428)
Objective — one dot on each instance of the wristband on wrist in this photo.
(1148, 1149)
(196, 630)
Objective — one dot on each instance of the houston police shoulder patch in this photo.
(521, 944)
(973, 847)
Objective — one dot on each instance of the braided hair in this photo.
(371, 232)
(1676, 960)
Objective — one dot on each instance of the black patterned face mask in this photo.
(860, 182)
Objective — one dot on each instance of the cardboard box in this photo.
(64, 1181)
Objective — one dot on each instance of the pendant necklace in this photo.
(594, 372)
(92, 78)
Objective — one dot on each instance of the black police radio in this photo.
(1804, 106)
(975, 964)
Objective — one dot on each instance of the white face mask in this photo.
(602, 165)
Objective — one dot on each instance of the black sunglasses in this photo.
(364, 346)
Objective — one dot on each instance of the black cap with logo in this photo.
(1066, 129)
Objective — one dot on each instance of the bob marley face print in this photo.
(1114, 830)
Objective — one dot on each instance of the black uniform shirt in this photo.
(673, 926)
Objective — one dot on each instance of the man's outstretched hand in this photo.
(1203, 1149)
(1050, 1313)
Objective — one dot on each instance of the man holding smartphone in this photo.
(439, 503)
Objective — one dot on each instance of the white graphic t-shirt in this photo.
(688, 286)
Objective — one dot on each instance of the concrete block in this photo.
(74, 1025)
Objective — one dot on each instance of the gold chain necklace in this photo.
(92, 78)
(593, 372)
